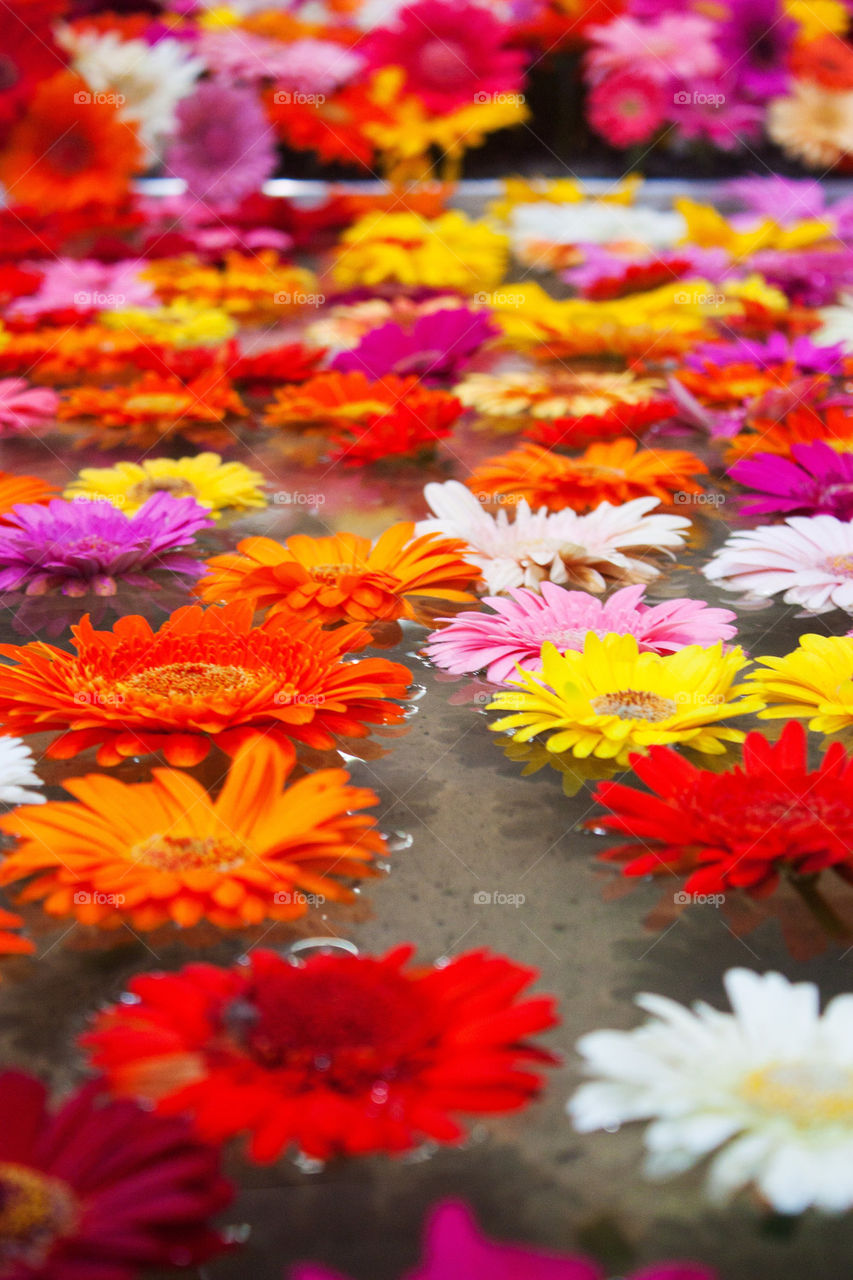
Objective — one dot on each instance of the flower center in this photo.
(154, 402)
(10, 73)
(188, 853)
(192, 679)
(71, 153)
(345, 1030)
(419, 362)
(444, 63)
(804, 1092)
(35, 1210)
(89, 545)
(842, 565)
(147, 488)
(634, 704)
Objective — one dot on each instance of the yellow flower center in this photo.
(146, 488)
(193, 679)
(188, 853)
(634, 704)
(156, 403)
(35, 1209)
(842, 565)
(804, 1092)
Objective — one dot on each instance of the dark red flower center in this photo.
(72, 153)
(348, 1028)
(10, 73)
(35, 1210)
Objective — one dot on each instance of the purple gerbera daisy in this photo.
(754, 41)
(439, 344)
(520, 625)
(225, 147)
(86, 546)
(813, 279)
(778, 349)
(815, 480)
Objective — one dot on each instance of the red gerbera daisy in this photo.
(739, 829)
(27, 56)
(404, 432)
(621, 420)
(205, 676)
(339, 1055)
(101, 1189)
(291, 362)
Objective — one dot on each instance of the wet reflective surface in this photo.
(469, 818)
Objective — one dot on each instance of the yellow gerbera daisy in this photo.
(611, 699)
(446, 252)
(213, 483)
(180, 324)
(815, 680)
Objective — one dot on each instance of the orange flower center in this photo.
(634, 704)
(35, 1210)
(192, 679)
(188, 853)
(176, 485)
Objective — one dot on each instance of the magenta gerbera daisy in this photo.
(453, 55)
(88, 546)
(100, 1189)
(521, 624)
(439, 344)
(815, 480)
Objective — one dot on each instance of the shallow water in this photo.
(468, 823)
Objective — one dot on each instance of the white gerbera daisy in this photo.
(151, 78)
(836, 324)
(770, 1083)
(587, 551)
(592, 222)
(17, 773)
(809, 558)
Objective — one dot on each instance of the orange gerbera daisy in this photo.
(164, 851)
(205, 676)
(612, 472)
(334, 130)
(342, 577)
(336, 400)
(155, 404)
(15, 489)
(731, 384)
(69, 149)
(803, 425)
(11, 942)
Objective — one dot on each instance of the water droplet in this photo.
(612, 1128)
(307, 1164)
(323, 945)
(127, 997)
(398, 841)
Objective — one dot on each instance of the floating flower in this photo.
(754, 39)
(22, 489)
(183, 323)
(101, 1188)
(344, 324)
(68, 150)
(740, 829)
(453, 1241)
(438, 345)
(554, 393)
(12, 942)
(816, 480)
(801, 425)
(811, 123)
(445, 252)
(340, 400)
(766, 1087)
(155, 405)
(251, 287)
(338, 1055)
(809, 558)
(621, 420)
(205, 677)
(18, 773)
(88, 546)
(451, 57)
(224, 147)
(610, 699)
(290, 362)
(666, 47)
(814, 682)
(614, 472)
(342, 577)
(777, 349)
(588, 551)
(306, 66)
(513, 635)
(164, 852)
(85, 285)
(213, 484)
(402, 432)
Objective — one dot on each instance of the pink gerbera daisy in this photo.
(626, 107)
(453, 55)
(515, 632)
(23, 407)
(224, 148)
